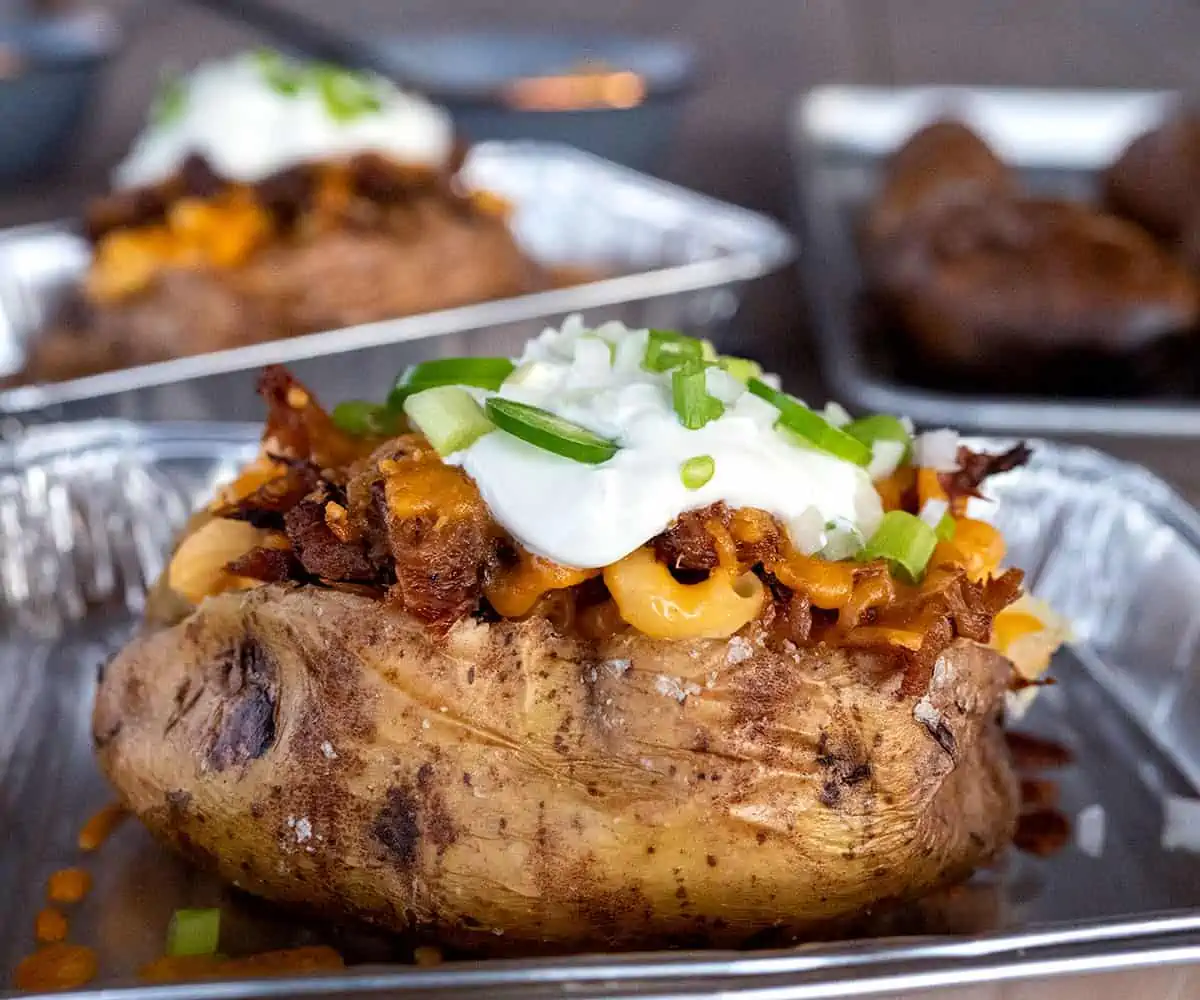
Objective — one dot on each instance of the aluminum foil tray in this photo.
(87, 513)
(1057, 140)
(673, 259)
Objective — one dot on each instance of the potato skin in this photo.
(510, 790)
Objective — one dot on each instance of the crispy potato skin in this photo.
(510, 790)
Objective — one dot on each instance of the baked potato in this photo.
(360, 693)
(318, 748)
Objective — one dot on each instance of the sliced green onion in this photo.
(448, 416)
(905, 541)
(697, 471)
(708, 351)
(881, 427)
(193, 932)
(484, 373)
(694, 404)
(282, 75)
(550, 432)
(946, 527)
(666, 349)
(363, 419)
(818, 431)
(742, 369)
(347, 95)
(170, 101)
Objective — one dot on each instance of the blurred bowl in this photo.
(49, 73)
(618, 97)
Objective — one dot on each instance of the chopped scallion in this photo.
(550, 432)
(448, 416)
(905, 541)
(697, 471)
(694, 404)
(666, 349)
(347, 95)
(881, 427)
(364, 419)
(802, 421)
(282, 75)
(193, 932)
(170, 101)
(742, 369)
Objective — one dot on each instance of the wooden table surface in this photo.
(757, 55)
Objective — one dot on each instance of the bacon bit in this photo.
(266, 565)
(427, 955)
(313, 958)
(68, 885)
(58, 966)
(1033, 753)
(1042, 832)
(50, 925)
(100, 827)
(1038, 793)
(337, 519)
(975, 467)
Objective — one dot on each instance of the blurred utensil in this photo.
(49, 73)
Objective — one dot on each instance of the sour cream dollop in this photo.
(590, 516)
(237, 115)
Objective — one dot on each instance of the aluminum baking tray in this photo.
(88, 511)
(1057, 139)
(672, 258)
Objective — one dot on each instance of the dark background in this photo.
(757, 55)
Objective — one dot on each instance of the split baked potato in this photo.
(553, 781)
(318, 748)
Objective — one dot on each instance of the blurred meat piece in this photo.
(1156, 181)
(943, 164)
(995, 283)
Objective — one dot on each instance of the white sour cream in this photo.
(229, 112)
(593, 515)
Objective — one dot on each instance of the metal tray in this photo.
(88, 511)
(675, 258)
(1056, 139)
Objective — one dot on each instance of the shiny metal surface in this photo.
(675, 259)
(1057, 140)
(87, 513)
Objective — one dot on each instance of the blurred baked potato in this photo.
(1027, 292)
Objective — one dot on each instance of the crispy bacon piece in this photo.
(268, 565)
(974, 467)
(319, 550)
(266, 506)
(687, 543)
(1042, 832)
(298, 428)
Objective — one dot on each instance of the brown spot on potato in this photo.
(245, 726)
(712, 861)
(397, 827)
(941, 734)
(470, 675)
(761, 837)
